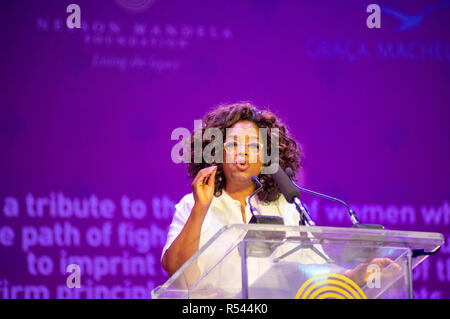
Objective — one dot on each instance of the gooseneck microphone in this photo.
(257, 218)
(255, 180)
(353, 217)
(255, 239)
(292, 195)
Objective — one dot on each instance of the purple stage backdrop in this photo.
(86, 117)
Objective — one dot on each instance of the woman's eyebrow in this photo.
(235, 136)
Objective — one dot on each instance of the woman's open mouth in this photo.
(242, 166)
(241, 163)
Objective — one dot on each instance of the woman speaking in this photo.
(220, 192)
(220, 189)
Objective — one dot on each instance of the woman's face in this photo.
(242, 153)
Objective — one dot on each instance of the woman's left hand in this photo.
(360, 274)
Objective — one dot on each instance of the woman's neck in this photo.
(240, 192)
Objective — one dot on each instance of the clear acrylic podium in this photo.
(277, 261)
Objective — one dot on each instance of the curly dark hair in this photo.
(225, 116)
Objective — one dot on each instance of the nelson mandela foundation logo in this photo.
(130, 43)
(135, 6)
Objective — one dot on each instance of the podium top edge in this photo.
(339, 230)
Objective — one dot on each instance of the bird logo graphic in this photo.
(411, 21)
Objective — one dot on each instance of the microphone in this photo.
(292, 195)
(256, 241)
(261, 219)
(353, 217)
(255, 180)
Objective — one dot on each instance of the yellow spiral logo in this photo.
(330, 286)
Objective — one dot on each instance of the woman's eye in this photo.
(254, 146)
(231, 144)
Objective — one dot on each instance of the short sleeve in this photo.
(182, 211)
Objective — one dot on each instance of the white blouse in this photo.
(223, 211)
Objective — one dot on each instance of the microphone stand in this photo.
(305, 218)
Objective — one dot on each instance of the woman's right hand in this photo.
(203, 186)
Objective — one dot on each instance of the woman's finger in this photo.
(208, 176)
(202, 174)
(210, 180)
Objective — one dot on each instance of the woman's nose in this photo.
(242, 150)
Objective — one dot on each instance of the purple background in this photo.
(370, 108)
